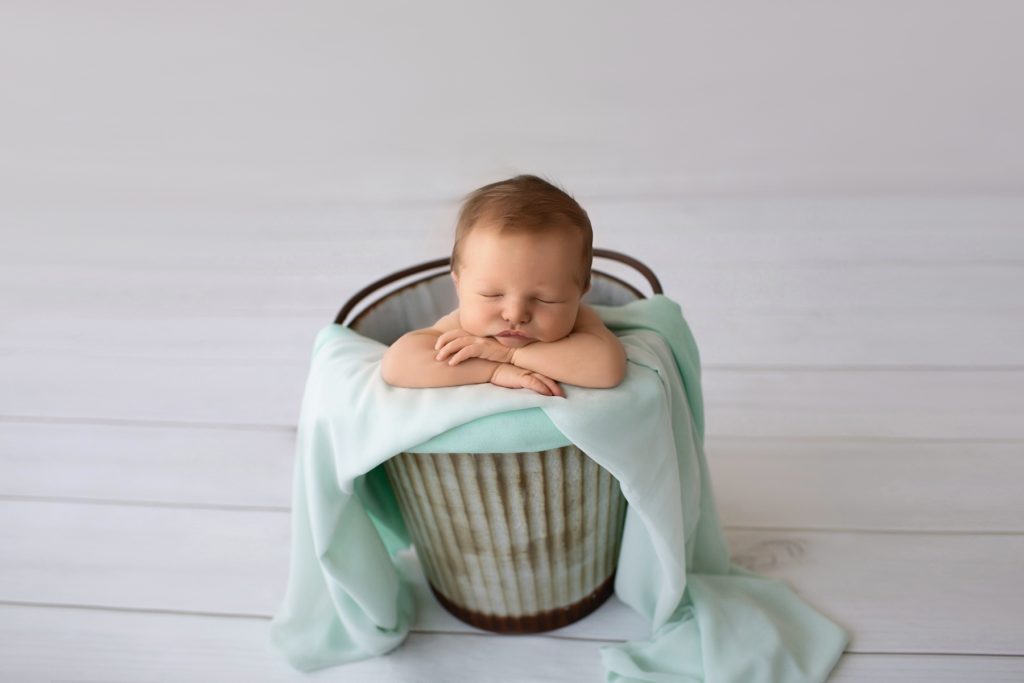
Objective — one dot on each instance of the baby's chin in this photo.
(515, 342)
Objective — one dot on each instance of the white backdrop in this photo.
(262, 103)
(819, 184)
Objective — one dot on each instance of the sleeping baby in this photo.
(521, 265)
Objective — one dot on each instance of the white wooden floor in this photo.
(864, 379)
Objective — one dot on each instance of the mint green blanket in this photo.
(711, 620)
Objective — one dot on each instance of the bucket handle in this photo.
(369, 289)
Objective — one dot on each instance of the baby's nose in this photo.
(516, 312)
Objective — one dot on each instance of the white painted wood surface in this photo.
(189, 191)
(233, 562)
(864, 386)
(123, 646)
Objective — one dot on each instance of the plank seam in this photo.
(264, 617)
(12, 603)
(144, 503)
(60, 500)
(130, 422)
(711, 437)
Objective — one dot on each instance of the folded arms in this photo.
(445, 355)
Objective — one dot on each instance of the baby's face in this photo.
(518, 288)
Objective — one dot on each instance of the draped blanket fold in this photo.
(711, 620)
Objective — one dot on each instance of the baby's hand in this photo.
(461, 345)
(511, 377)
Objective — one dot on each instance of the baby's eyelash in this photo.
(495, 296)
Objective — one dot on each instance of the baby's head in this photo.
(521, 261)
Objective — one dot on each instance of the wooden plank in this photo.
(46, 644)
(895, 592)
(138, 294)
(761, 483)
(670, 231)
(299, 239)
(911, 668)
(829, 338)
(727, 335)
(900, 592)
(225, 562)
(222, 561)
(148, 465)
(807, 229)
(850, 403)
(742, 314)
(763, 281)
(868, 485)
(928, 404)
(214, 392)
(115, 646)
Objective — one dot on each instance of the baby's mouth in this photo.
(511, 338)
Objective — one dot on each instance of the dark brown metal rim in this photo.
(385, 281)
(354, 322)
(533, 623)
(369, 289)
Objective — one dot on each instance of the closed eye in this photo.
(550, 302)
(490, 296)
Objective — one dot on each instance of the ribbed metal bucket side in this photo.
(512, 536)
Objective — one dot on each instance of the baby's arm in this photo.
(590, 356)
(412, 362)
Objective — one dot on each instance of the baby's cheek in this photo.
(567, 322)
(557, 327)
(474, 323)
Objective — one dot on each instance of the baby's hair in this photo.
(527, 203)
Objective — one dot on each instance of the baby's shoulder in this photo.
(448, 322)
(587, 317)
(589, 320)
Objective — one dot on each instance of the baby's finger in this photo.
(444, 338)
(533, 383)
(556, 390)
(465, 353)
(453, 346)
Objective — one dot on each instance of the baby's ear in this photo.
(455, 278)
